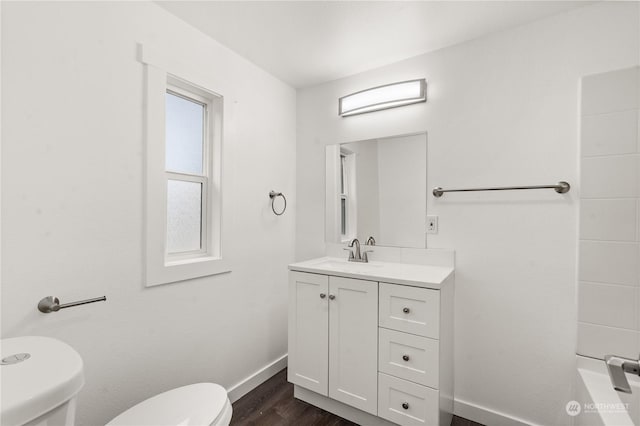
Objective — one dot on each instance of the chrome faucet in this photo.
(357, 256)
(617, 367)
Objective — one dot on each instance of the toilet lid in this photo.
(190, 405)
(38, 374)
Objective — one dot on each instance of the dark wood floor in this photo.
(272, 404)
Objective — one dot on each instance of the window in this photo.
(344, 197)
(187, 151)
(183, 203)
(347, 195)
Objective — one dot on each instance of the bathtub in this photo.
(597, 403)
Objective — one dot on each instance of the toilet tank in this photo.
(40, 378)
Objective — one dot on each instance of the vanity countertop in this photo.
(390, 272)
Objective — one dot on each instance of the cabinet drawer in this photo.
(406, 403)
(409, 357)
(410, 309)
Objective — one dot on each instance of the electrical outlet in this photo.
(432, 225)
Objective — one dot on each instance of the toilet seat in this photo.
(225, 416)
(193, 405)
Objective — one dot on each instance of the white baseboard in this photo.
(461, 408)
(245, 386)
(485, 415)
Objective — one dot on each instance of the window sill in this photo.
(190, 260)
(186, 269)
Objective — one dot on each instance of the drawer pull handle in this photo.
(406, 310)
(322, 295)
(405, 405)
(331, 297)
(405, 357)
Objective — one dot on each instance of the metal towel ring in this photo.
(273, 195)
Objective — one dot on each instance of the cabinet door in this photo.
(353, 343)
(308, 331)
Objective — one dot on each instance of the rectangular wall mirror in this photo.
(377, 188)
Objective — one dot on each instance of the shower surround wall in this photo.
(501, 110)
(72, 213)
(609, 257)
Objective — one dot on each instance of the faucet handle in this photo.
(365, 258)
(370, 241)
(351, 256)
(616, 367)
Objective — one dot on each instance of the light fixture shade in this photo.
(383, 97)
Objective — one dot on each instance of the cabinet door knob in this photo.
(322, 295)
(405, 405)
(405, 357)
(406, 310)
(331, 297)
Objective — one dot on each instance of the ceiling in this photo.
(305, 43)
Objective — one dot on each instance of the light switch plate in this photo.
(432, 225)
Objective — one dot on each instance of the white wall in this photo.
(72, 194)
(501, 110)
(609, 256)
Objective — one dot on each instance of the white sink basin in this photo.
(391, 272)
(346, 266)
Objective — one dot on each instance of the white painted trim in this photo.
(486, 416)
(332, 211)
(248, 384)
(161, 72)
(150, 56)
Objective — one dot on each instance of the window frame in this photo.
(162, 76)
(343, 197)
(177, 88)
(347, 191)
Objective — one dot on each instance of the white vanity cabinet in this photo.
(333, 338)
(373, 343)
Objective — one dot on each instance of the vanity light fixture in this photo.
(383, 97)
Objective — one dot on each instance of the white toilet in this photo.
(41, 378)
(202, 404)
